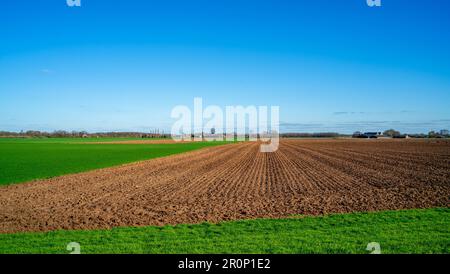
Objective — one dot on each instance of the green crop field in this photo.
(404, 231)
(27, 159)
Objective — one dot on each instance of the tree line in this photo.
(81, 134)
(160, 134)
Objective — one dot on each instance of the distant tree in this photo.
(8, 134)
(60, 133)
(432, 134)
(213, 131)
(33, 133)
(391, 133)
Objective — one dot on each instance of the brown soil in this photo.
(236, 181)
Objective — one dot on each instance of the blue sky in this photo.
(123, 65)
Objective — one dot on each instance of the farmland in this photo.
(162, 204)
(27, 159)
(236, 181)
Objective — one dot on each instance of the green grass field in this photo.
(27, 159)
(406, 231)
(69, 140)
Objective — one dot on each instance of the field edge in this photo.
(397, 231)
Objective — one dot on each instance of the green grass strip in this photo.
(405, 231)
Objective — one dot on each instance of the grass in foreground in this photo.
(28, 159)
(406, 231)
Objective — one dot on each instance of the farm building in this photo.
(369, 135)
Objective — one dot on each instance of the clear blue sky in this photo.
(122, 65)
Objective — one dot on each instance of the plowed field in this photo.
(236, 181)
